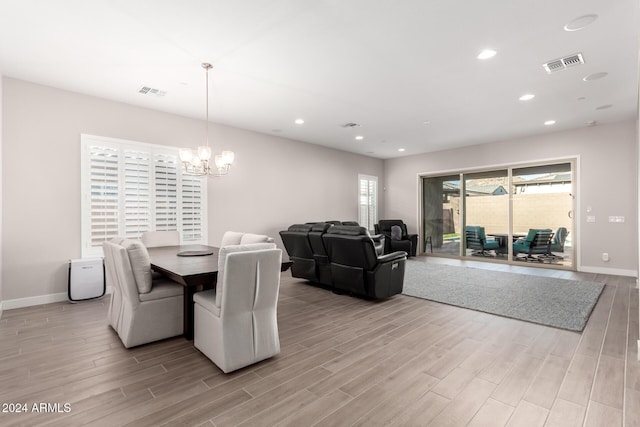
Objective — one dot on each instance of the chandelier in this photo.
(199, 162)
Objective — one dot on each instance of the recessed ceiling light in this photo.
(594, 76)
(592, 123)
(604, 107)
(580, 23)
(299, 122)
(487, 53)
(426, 122)
(400, 149)
(550, 122)
(527, 97)
(359, 137)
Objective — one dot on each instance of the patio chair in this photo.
(535, 247)
(477, 241)
(557, 243)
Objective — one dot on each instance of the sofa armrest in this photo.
(393, 256)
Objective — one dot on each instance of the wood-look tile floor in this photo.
(344, 362)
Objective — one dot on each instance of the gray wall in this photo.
(274, 182)
(607, 176)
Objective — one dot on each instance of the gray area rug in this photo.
(560, 303)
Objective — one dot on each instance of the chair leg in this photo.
(428, 240)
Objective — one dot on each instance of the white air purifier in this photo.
(86, 279)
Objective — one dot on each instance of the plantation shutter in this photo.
(137, 201)
(367, 201)
(104, 193)
(129, 188)
(192, 208)
(166, 192)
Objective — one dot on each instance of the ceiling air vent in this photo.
(146, 90)
(563, 63)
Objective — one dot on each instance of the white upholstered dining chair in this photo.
(142, 310)
(153, 239)
(236, 324)
(239, 238)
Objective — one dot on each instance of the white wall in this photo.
(607, 176)
(1, 175)
(274, 182)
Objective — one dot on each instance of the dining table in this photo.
(193, 266)
(501, 238)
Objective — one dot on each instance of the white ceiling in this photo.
(388, 65)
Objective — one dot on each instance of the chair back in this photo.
(475, 237)
(315, 240)
(250, 290)
(251, 280)
(154, 239)
(239, 238)
(123, 272)
(351, 223)
(557, 244)
(350, 246)
(541, 242)
(115, 306)
(296, 241)
(384, 227)
(222, 263)
(124, 298)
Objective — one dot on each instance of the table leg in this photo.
(188, 311)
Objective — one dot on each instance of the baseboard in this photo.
(39, 300)
(611, 271)
(31, 301)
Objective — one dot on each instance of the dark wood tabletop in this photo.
(186, 270)
(192, 272)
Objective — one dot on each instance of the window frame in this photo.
(152, 151)
(370, 222)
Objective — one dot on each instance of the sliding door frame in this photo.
(574, 161)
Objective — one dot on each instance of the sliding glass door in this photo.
(441, 214)
(489, 214)
(486, 213)
(543, 200)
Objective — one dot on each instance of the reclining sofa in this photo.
(344, 259)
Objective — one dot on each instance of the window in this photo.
(129, 188)
(367, 201)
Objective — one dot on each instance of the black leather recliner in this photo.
(296, 242)
(356, 268)
(323, 267)
(378, 239)
(405, 242)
